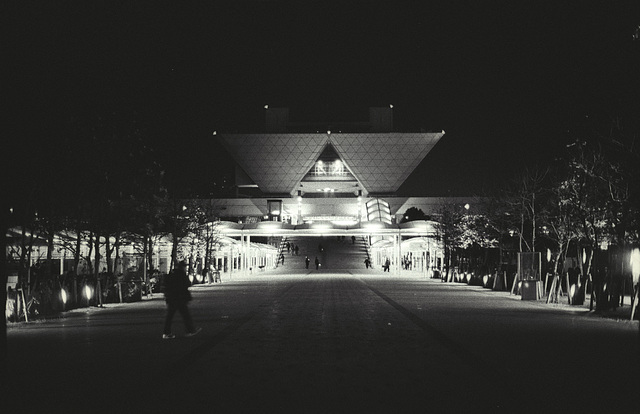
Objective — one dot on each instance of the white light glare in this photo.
(635, 264)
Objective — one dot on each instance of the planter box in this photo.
(531, 289)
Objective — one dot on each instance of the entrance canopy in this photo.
(327, 228)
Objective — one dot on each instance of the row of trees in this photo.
(103, 179)
(584, 204)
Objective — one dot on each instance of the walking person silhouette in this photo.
(177, 296)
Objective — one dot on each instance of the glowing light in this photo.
(391, 106)
(466, 206)
(373, 225)
(63, 294)
(635, 264)
(345, 222)
(584, 256)
(299, 199)
(321, 226)
(87, 292)
(328, 132)
(548, 255)
(266, 107)
(572, 291)
(485, 280)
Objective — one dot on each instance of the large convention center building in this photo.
(299, 182)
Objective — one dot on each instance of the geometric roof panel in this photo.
(275, 162)
(383, 161)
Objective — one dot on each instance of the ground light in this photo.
(635, 265)
(63, 297)
(88, 292)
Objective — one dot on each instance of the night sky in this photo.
(506, 80)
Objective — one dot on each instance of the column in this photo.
(397, 253)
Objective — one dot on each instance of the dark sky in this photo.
(506, 80)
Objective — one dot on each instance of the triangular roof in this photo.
(381, 162)
(275, 162)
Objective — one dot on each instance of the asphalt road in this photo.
(329, 343)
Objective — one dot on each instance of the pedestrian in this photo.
(306, 262)
(387, 264)
(177, 296)
(282, 258)
(353, 239)
(317, 263)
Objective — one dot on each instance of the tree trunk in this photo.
(117, 251)
(4, 226)
(97, 269)
(108, 251)
(76, 254)
(150, 255)
(89, 254)
(50, 255)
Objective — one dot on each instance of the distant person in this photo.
(367, 263)
(306, 262)
(177, 296)
(282, 258)
(387, 264)
(317, 263)
(353, 239)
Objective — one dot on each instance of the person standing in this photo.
(387, 264)
(306, 262)
(317, 263)
(177, 296)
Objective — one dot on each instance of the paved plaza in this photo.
(328, 342)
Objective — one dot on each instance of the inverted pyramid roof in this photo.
(276, 162)
(383, 161)
(380, 161)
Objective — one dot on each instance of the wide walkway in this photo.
(329, 342)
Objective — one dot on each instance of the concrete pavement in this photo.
(329, 342)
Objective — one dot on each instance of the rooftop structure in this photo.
(374, 162)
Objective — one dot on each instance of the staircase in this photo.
(337, 253)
